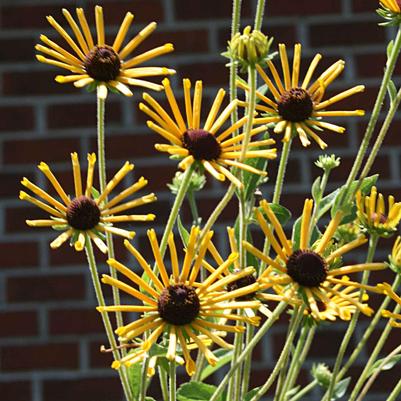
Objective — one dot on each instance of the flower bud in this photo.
(327, 163)
(322, 374)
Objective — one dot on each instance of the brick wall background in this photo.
(49, 331)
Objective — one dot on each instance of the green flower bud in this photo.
(327, 163)
(197, 182)
(249, 48)
(322, 374)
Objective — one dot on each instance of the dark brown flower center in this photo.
(178, 304)
(202, 145)
(241, 283)
(295, 105)
(102, 63)
(83, 213)
(307, 268)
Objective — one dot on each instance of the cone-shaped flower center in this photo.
(102, 63)
(83, 213)
(241, 283)
(295, 105)
(178, 304)
(307, 268)
(202, 145)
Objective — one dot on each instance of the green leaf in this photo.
(251, 180)
(250, 394)
(387, 366)
(340, 388)
(327, 203)
(224, 355)
(196, 391)
(392, 91)
(390, 48)
(134, 378)
(282, 213)
(296, 233)
(316, 190)
(183, 231)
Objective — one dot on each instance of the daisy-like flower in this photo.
(179, 306)
(209, 144)
(371, 211)
(92, 62)
(392, 5)
(86, 216)
(308, 274)
(298, 107)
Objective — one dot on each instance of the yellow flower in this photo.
(308, 274)
(93, 62)
(391, 315)
(205, 145)
(395, 257)
(392, 5)
(179, 305)
(298, 108)
(86, 217)
(372, 214)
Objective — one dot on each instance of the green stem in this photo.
(143, 386)
(103, 182)
(391, 62)
(281, 171)
(236, 15)
(163, 384)
(301, 350)
(379, 140)
(367, 333)
(260, 8)
(172, 381)
(376, 374)
(282, 361)
(395, 393)
(234, 385)
(250, 331)
(351, 328)
(105, 317)
(193, 207)
(182, 191)
(372, 359)
(200, 360)
(304, 391)
(258, 336)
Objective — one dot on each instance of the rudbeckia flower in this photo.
(86, 216)
(93, 62)
(298, 107)
(372, 215)
(308, 274)
(207, 144)
(179, 307)
(392, 5)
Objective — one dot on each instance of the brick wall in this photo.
(49, 331)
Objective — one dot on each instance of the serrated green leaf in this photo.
(387, 366)
(340, 388)
(196, 391)
(316, 190)
(250, 394)
(224, 355)
(184, 234)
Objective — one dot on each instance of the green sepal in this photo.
(387, 366)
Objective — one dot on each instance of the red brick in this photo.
(303, 8)
(99, 359)
(16, 118)
(35, 83)
(145, 11)
(28, 16)
(65, 255)
(10, 184)
(18, 324)
(45, 288)
(16, 216)
(12, 50)
(75, 321)
(15, 391)
(35, 151)
(40, 357)
(202, 10)
(105, 388)
(19, 254)
(158, 177)
(80, 115)
(392, 137)
(212, 73)
(347, 34)
(365, 5)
